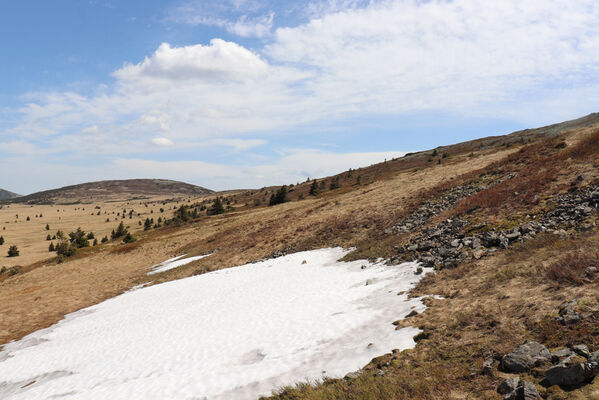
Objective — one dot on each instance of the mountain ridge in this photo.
(92, 191)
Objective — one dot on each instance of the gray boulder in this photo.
(525, 357)
(490, 239)
(560, 355)
(515, 234)
(524, 391)
(571, 372)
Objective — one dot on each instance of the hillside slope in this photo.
(509, 223)
(122, 189)
(6, 195)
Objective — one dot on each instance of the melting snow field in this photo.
(236, 333)
(173, 263)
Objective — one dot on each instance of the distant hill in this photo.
(5, 195)
(114, 190)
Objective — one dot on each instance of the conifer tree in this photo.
(314, 191)
(279, 197)
(216, 207)
(120, 231)
(13, 251)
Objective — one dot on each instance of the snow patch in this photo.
(236, 333)
(173, 263)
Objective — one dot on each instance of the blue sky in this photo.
(246, 93)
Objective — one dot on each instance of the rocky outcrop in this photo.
(446, 245)
(525, 357)
(568, 368)
(429, 209)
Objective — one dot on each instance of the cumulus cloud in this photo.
(161, 141)
(467, 57)
(218, 61)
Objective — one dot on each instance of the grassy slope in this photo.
(497, 303)
(446, 364)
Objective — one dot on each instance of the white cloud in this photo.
(91, 129)
(534, 61)
(459, 56)
(219, 61)
(237, 144)
(161, 141)
(468, 57)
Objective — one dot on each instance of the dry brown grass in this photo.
(570, 268)
(30, 236)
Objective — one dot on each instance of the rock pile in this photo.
(445, 245)
(420, 217)
(568, 368)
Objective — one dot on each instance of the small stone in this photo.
(477, 254)
(369, 282)
(582, 350)
(419, 270)
(508, 386)
(487, 368)
(304, 262)
(352, 375)
(527, 391)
